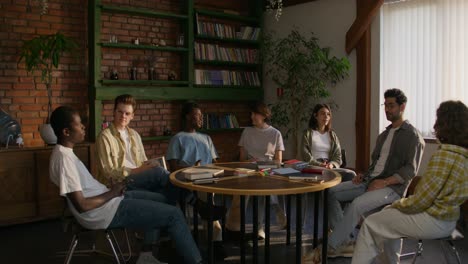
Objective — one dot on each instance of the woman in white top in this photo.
(261, 142)
(320, 144)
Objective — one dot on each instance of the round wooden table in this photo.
(256, 185)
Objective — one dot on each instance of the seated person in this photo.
(122, 156)
(96, 207)
(320, 144)
(191, 148)
(262, 142)
(395, 161)
(432, 211)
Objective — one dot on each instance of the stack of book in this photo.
(215, 52)
(216, 121)
(213, 77)
(195, 173)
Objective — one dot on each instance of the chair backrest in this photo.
(412, 186)
(343, 158)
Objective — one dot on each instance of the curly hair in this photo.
(313, 120)
(398, 94)
(451, 126)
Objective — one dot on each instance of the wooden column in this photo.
(359, 37)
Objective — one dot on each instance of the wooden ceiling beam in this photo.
(366, 11)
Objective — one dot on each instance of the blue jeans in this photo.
(146, 210)
(155, 180)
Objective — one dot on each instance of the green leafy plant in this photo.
(43, 53)
(304, 71)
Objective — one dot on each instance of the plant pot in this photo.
(47, 134)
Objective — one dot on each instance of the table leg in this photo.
(195, 221)
(267, 229)
(325, 227)
(255, 229)
(298, 228)
(316, 217)
(210, 229)
(288, 220)
(242, 228)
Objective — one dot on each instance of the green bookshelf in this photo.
(185, 87)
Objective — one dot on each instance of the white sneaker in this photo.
(147, 258)
(261, 233)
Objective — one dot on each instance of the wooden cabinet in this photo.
(26, 192)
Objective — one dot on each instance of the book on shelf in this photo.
(196, 173)
(224, 77)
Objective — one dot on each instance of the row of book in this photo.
(216, 77)
(215, 52)
(216, 121)
(226, 31)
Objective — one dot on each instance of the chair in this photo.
(343, 158)
(454, 236)
(69, 223)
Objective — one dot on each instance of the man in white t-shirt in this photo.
(97, 207)
(395, 161)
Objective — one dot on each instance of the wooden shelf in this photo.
(239, 87)
(228, 40)
(181, 93)
(143, 47)
(226, 63)
(140, 12)
(207, 131)
(144, 82)
(240, 18)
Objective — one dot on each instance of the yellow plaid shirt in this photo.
(111, 153)
(443, 188)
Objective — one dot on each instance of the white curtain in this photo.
(424, 52)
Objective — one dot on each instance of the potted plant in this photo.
(43, 53)
(303, 71)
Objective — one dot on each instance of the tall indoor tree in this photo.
(304, 72)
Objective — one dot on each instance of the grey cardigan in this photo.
(404, 158)
(335, 149)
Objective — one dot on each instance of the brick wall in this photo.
(23, 95)
(25, 98)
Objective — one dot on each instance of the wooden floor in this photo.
(39, 242)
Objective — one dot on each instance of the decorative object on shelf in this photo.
(162, 42)
(44, 5)
(275, 5)
(9, 128)
(151, 74)
(304, 71)
(167, 131)
(114, 75)
(136, 41)
(171, 76)
(133, 73)
(113, 39)
(43, 53)
(20, 141)
(181, 40)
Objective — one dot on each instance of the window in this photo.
(424, 52)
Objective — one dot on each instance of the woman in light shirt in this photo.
(320, 144)
(261, 142)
